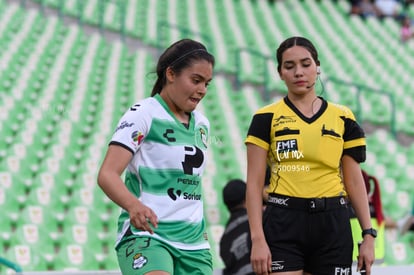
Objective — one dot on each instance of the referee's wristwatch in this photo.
(370, 231)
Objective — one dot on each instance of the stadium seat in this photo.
(13, 193)
(50, 198)
(27, 257)
(10, 212)
(84, 235)
(41, 216)
(400, 252)
(75, 257)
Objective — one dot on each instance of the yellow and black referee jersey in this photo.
(305, 153)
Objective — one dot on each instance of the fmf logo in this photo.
(286, 145)
(288, 149)
(342, 271)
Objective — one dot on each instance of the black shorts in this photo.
(313, 235)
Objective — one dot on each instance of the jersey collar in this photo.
(304, 118)
(168, 110)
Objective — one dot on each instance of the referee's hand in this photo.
(366, 255)
(261, 258)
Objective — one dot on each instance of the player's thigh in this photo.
(195, 262)
(142, 255)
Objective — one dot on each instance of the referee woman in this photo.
(314, 148)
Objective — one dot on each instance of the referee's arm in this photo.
(355, 187)
(256, 170)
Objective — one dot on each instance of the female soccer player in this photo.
(160, 143)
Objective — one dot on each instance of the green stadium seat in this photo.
(75, 257)
(9, 213)
(27, 258)
(86, 236)
(13, 193)
(399, 206)
(399, 253)
(50, 198)
(38, 237)
(102, 221)
(41, 216)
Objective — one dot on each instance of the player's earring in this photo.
(318, 69)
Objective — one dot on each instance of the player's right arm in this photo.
(109, 179)
(126, 141)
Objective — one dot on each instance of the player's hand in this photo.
(260, 257)
(142, 217)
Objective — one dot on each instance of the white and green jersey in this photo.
(165, 171)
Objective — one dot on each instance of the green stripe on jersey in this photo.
(156, 181)
(170, 133)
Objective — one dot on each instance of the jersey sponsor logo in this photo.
(192, 196)
(342, 271)
(124, 124)
(175, 194)
(167, 135)
(277, 265)
(139, 261)
(194, 158)
(279, 201)
(135, 107)
(283, 120)
(188, 181)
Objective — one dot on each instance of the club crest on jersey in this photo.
(139, 261)
(201, 137)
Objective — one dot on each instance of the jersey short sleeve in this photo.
(354, 137)
(260, 128)
(133, 127)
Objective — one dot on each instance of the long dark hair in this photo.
(296, 41)
(178, 56)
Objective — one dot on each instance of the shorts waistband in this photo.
(308, 204)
